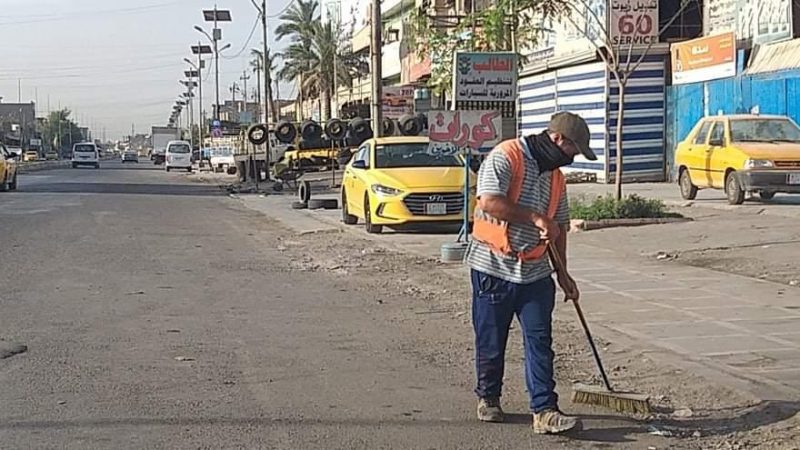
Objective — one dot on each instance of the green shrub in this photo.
(608, 207)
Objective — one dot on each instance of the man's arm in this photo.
(500, 207)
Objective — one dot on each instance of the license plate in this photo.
(436, 209)
(794, 178)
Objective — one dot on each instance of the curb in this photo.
(36, 167)
(588, 225)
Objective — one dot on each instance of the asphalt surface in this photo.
(158, 313)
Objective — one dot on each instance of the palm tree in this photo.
(258, 65)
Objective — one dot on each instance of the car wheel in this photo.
(733, 189)
(347, 218)
(688, 190)
(167, 169)
(13, 185)
(371, 228)
(189, 170)
(766, 195)
(97, 166)
(74, 166)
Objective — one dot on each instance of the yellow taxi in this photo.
(8, 170)
(741, 154)
(397, 181)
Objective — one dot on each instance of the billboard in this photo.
(397, 101)
(633, 22)
(490, 76)
(706, 58)
(761, 21)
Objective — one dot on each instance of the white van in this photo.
(178, 156)
(85, 154)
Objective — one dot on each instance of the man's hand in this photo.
(548, 228)
(569, 287)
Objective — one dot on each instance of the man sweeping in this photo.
(522, 204)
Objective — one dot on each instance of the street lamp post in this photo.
(262, 10)
(200, 50)
(215, 15)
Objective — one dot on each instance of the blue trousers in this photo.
(494, 304)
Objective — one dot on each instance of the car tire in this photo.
(167, 169)
(97, 166)
(74, 166)
(688, 190)
(189, 170)
(347, 218)
(277, 186)
(370, 227)
(733, 189)
(304, 191)
(299, 205)
(766, 195)
(13, 185)
(323, 203)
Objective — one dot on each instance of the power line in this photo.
(83, 14)
(247, 43)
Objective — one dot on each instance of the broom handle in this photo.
(561, 269)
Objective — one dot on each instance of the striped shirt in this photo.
(494, 178)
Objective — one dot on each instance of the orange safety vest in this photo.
(494, 232)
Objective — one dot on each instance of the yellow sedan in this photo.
(740, 154)
(396, 181)
(8, 170)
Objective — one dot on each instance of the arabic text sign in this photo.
(464, 129)
(702, 59)
(485, 76)
(633, 22)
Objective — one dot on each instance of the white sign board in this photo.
(397, 101)
(485, 77)
(633, 22)
(450, 131)
(36, 142)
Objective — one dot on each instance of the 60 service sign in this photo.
(633, 22)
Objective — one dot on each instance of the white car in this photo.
(178, 156)
(85, 154)
(222, 158)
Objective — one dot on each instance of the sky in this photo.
(117, 63)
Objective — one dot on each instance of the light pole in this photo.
(262, 10)
(215, 15)
(376, 48)
(200, 50)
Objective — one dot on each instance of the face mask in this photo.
(547, 154)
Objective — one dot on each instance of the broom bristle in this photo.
(624, 402)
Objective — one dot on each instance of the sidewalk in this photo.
(737, 331)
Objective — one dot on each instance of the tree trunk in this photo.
(325, 100)
(620, 118)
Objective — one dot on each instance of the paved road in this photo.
(159, 314)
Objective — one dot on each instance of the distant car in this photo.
(130, 157)
(8, 169)
(85, 154)
(222, 159)
(178, 156)
(740, 154)
(51, 156)
(31, 155)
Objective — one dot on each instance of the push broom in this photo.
(625, 402)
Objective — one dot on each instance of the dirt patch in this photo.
(778, 262)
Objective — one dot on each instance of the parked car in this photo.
(740, 154)
(51, 156)
(178, 156)
(396, 181)
(85, 154)
(130, 157)
(31, 155)
(8, 169)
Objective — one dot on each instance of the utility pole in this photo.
(334, 18)
(19, 90)
(244, 79)
(257, 70)
(376, 51)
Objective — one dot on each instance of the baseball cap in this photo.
(574, 128)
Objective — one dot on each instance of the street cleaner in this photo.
(522, 204)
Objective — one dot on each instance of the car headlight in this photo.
(385, 190)
(758, 164)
